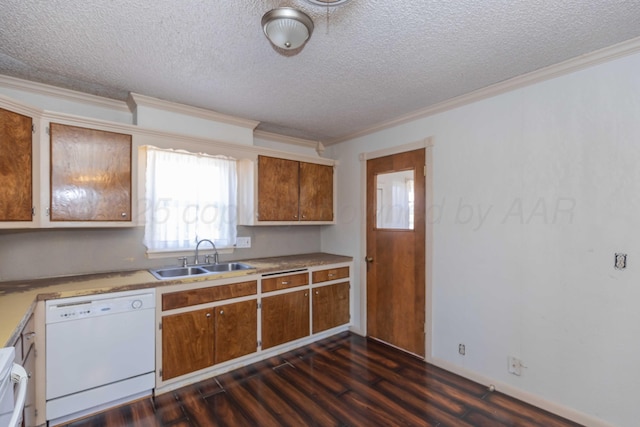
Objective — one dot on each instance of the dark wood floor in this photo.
(345, 380)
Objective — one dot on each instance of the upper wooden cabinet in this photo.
(289, 190)
(285, 191)
(90, 174)
(316, 192)
(16, 173)
(278, 189)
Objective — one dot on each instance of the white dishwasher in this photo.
(100, 352)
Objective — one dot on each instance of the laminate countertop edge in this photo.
(18, 298)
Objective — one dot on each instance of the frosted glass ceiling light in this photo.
(327, 2)
(287, 28)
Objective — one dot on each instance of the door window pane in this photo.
(395, 200)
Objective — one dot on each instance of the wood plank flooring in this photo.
(345, 380)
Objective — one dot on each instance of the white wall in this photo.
(534, 192)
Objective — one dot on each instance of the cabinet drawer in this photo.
(284, 282)
(181, 299)
(330, 274)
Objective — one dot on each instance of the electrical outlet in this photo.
(461, 349)
(515, 366)
(243, 242)
(620, 261)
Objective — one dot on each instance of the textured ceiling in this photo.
(367, 62)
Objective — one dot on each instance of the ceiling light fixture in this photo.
(287, 28)
(327, 2)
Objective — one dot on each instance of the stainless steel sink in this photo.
(199, 270)
(178, 272)
(226, 266)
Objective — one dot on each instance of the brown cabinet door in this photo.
(16, 178)
(277, 189)
(236, 331)
(330, 306)
(316, 192)
(90, 174)
(285, 318)
(187, 342)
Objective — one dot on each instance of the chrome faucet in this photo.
(215, 255)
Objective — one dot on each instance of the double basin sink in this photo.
(199, 270)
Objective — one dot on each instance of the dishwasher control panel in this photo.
(66, 309)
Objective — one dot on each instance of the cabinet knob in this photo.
(123, 214)
(221, 311)
(295, 216)
(306, 294)
(285, 282)
(29, 336)
(317, 292)
(331, 274)
(208, 314)
(369, 259)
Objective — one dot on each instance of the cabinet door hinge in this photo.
(160, 326)
(160, 373)
(33, 128)
(425, 170)
(259, 343)
(35, 412)
(33, 211)
(259, 305)
(47, 130)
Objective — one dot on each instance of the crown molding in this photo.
(600, 56)
(276, 137)
(134, 100)
(19, 107)
(250, 151)
(61, 93)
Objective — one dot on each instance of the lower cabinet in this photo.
(285, 318)
(236, 330)
(330, 306)
(208, 324)
(187, 342)
(201, 338)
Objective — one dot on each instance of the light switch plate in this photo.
(243, 242)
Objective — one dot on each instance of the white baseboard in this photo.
(532, 399)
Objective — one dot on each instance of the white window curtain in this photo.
(189, 197)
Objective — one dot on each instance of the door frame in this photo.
(427, 144)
